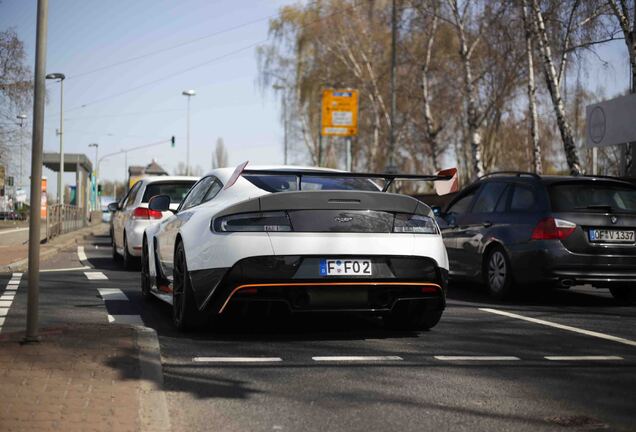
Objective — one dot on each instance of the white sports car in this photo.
(306, 239)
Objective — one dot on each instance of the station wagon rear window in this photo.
(593, 196)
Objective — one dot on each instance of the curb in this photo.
(22, 265)
(153, 407)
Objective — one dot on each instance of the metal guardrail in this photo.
(62, 219)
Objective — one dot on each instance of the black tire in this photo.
(145, 271)
(498, 274)
(412, 316)
(625, 296)
(130, 262)
(185, 314)
(116, 256)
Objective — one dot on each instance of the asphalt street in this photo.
(550, 360)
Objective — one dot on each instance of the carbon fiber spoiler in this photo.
(445, 180)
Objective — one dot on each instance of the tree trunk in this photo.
(532, 107)
(552, 83)
(432, 130)
(472, 114)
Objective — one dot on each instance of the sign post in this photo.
(339, 117)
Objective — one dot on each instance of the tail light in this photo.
(146, 213)
(414, 224)
(553, 229)
(253, 222)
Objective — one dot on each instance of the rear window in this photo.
(175, 190)
(287, 183)
(586, 196)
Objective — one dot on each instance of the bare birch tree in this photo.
(532, 89)
(220, 156)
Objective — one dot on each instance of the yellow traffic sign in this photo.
(339, 112)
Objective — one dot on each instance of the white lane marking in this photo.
(13, 230)
(582, 358)
(18, 275)
(13, 282)
(357, 358)
(5, 303)
(476, 358)
(236, 359)
(562, 327)
(65, 269)
(125, 319)
(81, 254)
(4, 312)
(1, 322)
(95, 275)
(7, 296)
(112, 294)
(11, 288)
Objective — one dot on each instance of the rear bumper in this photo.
(550, 262)
(295, 282)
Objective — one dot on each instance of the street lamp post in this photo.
(95, 174)
(60, 175)
(22, 118)
(189, 94)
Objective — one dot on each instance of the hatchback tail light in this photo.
(146, 213)
(553, 229)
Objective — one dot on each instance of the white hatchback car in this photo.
(131, 215)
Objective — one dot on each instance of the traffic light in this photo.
(172, 141)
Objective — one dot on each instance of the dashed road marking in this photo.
(81, 254)
(583, 358)
(356, 358)
(5, 303)
(112, 294)
(125, 319)
(561, 326)
(11, 231)
(236, 359)
(4, 311)
(65, 269)
(1, 322)
(476, 358)
(95, 276)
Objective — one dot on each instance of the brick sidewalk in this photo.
(78, 378)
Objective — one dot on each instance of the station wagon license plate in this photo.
(345, 267)
(611, 236)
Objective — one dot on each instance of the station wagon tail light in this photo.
(253, 222)
(414, 224)
(553, 229)
(146, 213)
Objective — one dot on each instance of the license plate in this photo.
(611, 236)
(345, 267)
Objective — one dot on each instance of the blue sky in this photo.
(89, 34)
(85, 35)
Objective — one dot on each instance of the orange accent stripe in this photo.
(240, 287)
(165, 288)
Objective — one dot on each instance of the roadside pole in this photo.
(36, 175)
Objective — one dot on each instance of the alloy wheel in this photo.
(497, 271)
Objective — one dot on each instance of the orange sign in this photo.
(339, 116)
(43, 202)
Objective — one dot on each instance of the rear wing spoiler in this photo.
(445, 181)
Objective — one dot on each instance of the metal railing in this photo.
(62, 219)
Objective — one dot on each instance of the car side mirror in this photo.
(159, 203)
(113, 207)
(437, 211)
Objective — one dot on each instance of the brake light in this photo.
(553, 229)
(146, 213)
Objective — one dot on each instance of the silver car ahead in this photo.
(132, 215)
